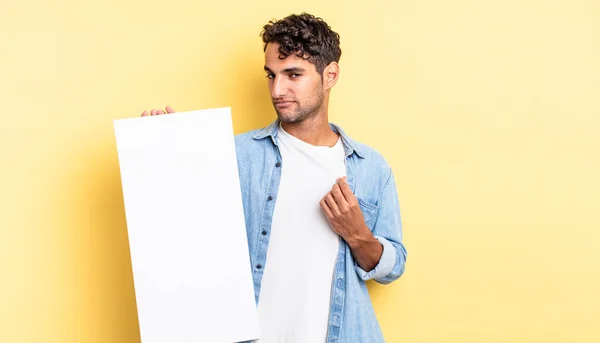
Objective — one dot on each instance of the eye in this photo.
(270, 76)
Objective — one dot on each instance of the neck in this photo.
(314, 130)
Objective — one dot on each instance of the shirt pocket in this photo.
(369, 212)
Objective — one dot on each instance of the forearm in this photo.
(366, 249)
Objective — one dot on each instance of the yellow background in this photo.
(488, 111)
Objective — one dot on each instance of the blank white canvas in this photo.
(186, 228)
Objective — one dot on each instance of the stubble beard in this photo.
(302, 113)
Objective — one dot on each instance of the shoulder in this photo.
(372, 157)
(366, 157)
(370, 161)
(246, 142)
(372, 172)
(245, 137)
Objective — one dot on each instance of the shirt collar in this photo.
(350, 146)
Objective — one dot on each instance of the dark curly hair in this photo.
(306, 36)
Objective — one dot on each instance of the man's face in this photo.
(295, 85)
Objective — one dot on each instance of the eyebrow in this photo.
(287, 70)
(294, 70)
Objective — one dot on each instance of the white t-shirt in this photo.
(296, 285)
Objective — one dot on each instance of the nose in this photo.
(278, 87)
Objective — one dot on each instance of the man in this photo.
(322, 213)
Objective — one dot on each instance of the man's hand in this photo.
(169, 109)
(346, 219)
(343, 212)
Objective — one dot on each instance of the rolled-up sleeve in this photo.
(388, 231)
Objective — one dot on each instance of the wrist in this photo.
(360, 239)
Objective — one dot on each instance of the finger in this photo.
(145, 114)
(170, 109)
(153, 112)
(338, 196)
(160, 112)
(345, 188)
(332, 205)
(326, 208)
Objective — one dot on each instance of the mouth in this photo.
(283, 104)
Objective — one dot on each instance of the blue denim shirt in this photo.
(351, 315)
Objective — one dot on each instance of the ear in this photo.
(331, 75)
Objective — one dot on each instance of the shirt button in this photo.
(264, 233)
(270, 198)
(258, 266)
(277, 164)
